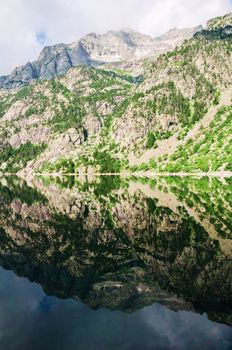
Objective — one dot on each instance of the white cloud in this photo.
(166, 14)
(26, 25)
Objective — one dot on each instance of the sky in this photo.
(27, 26)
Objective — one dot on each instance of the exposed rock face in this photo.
(94, 50)
(37, 134)
(14, 112)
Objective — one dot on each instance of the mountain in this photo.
(174, 116)
(94, 50)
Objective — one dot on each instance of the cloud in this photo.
(28, 25)
(180, 13)
(41, 38)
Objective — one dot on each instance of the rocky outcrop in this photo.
(38, 135)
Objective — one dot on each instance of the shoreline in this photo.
(148, 174)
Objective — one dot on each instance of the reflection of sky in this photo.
(31, 320)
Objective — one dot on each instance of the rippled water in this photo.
(115, 263)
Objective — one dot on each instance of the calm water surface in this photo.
(111, 263)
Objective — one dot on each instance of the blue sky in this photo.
(41, 38)
(28, 25)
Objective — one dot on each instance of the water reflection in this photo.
(116, 244)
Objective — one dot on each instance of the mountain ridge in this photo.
(94, 50)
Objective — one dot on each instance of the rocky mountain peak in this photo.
(128, 30)
(47, 50)
(93, 35)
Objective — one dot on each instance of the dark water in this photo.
(110, 263)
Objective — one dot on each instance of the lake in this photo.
(115, 263)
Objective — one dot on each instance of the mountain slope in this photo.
(221, 21)
(105, 120)
(217, 117)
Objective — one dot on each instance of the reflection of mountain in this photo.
(120, 245)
